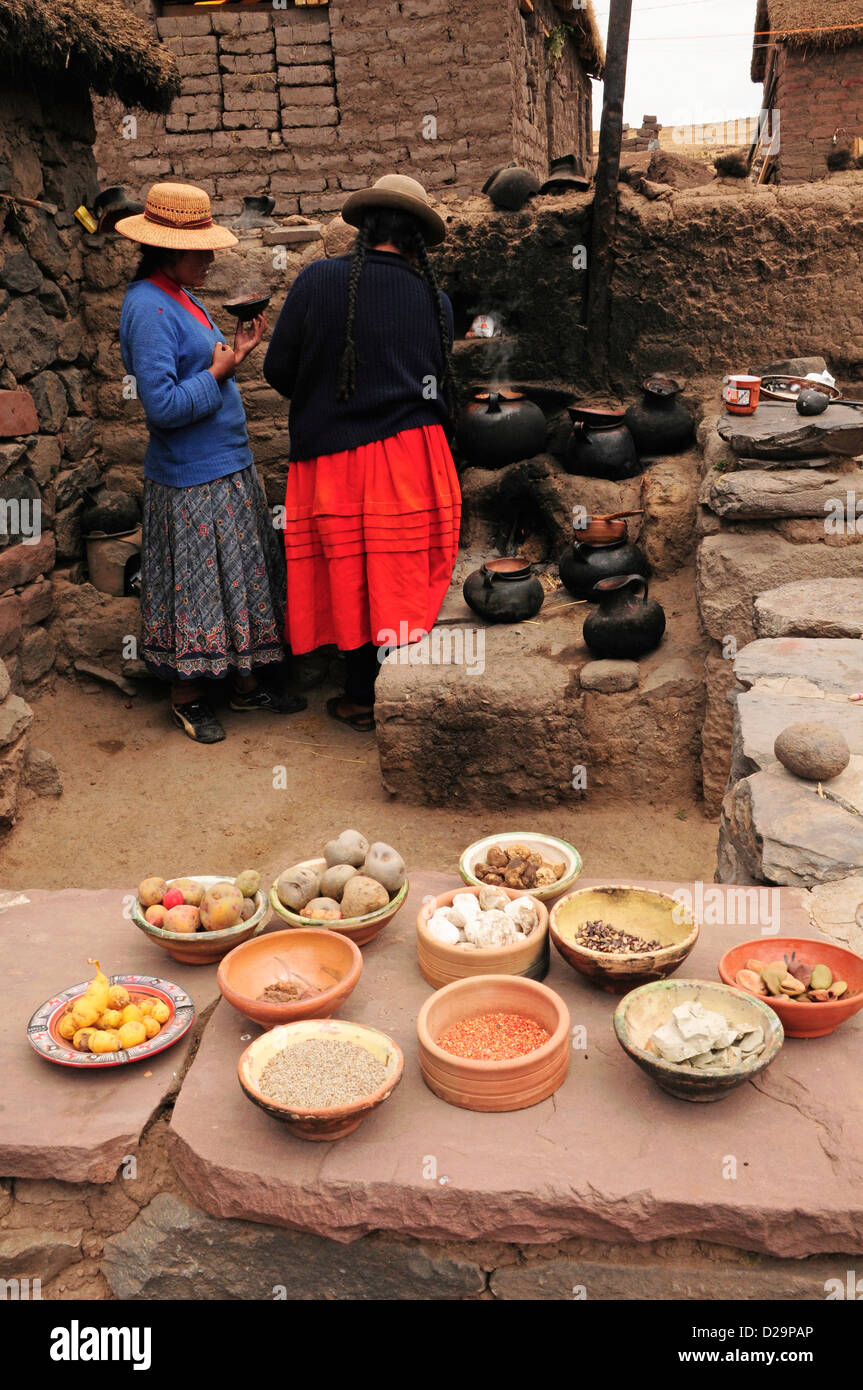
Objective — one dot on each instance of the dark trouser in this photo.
(361, 671)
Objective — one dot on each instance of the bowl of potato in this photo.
(539, 865)
(355, 888)
(198, 919)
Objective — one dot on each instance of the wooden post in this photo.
(604, 217)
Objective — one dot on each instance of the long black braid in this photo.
(405, 232)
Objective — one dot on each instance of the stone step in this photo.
(762, 714)
(733, 568)
(776, 829)
(821, 461)
(821, 666)
(778, 432)
(760, 496)
(811, 608)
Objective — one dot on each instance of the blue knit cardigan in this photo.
(197, 425)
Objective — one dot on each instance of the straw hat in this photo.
(397, 191)
(178, 217)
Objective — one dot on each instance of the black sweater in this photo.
(399, 359)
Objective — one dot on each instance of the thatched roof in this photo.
(805, 24)
(588, 39)
(97, 43)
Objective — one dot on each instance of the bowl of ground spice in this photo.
(494, 1042)
(321, 1077)
(619, 936)
(287, 976)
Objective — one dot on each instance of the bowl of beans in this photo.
(619, 936)
(321, 1077)
(494, 1042)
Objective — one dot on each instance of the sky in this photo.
(688, 61)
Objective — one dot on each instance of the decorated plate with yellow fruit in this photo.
(109, 1021)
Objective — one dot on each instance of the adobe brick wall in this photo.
(310, 103)
(815, 94)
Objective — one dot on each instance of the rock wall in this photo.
(310, 103)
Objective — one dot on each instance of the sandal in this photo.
(363, 723)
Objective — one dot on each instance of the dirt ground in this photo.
(140, 799)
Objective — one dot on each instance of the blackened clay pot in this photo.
(600, 446)
(504, 591)
(660, 423)
(500, 427)
(582, 565)
(627, 624)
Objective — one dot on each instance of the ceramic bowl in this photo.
(248, 308)
(44, 1038)
(645, 1009)
(639, 911)
(494, 1086)
(203, 947)
(360, 929)
(546, 845)
(332, 1122)
(803, 1020)
(324, 959)
(440, 964)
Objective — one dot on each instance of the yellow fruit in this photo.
(118, 997)
(132, 1034)
(151, 1027)
(104, 1041)
(85, 1012)
(111, 1019)
(99, 987)
(132, 1014)
(161, 1013)
(82, 1038)
(67, 1028)
(151, 891)
(145, 1006)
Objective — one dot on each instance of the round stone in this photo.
(812, 750)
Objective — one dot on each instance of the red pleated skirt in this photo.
(371, 537)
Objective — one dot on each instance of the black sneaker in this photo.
(198, 721)
(267, 702)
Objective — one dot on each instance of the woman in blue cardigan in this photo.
(212, 571)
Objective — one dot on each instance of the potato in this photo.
(334, 880)
(323, 909)
(296, 887)
(348, 848)
(386, 865)
(363, 895)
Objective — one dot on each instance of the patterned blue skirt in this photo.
(212, 578)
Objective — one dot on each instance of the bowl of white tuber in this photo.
(484, 930)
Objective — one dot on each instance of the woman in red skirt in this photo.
(372, 511)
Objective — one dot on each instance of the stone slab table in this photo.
(56, 1122)
(610, 1156)
(777, 431)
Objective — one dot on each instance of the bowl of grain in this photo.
(321, 1077)
(287, 976)
(619, 936)
(494, 1042)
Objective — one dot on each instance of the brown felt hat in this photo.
(397, 191)
(178, 217)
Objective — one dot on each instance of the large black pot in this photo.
(504, 591)
(500, 427)
(660, 423)
(581, 565)
(600, 446)
(627, 624)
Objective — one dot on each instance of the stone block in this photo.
(609, 676)
(811, 608)
(778, 432)
(37, 655)
(20, 273)
(753, 495)
(781, 832)
(167, 1253)
(43, 777)
(17, 414)
(22, 563)
(38, 1254)
(49, 397)
(29, 337)
(15, 718)
(625, 1275)
(10, 624)
(5, 683)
